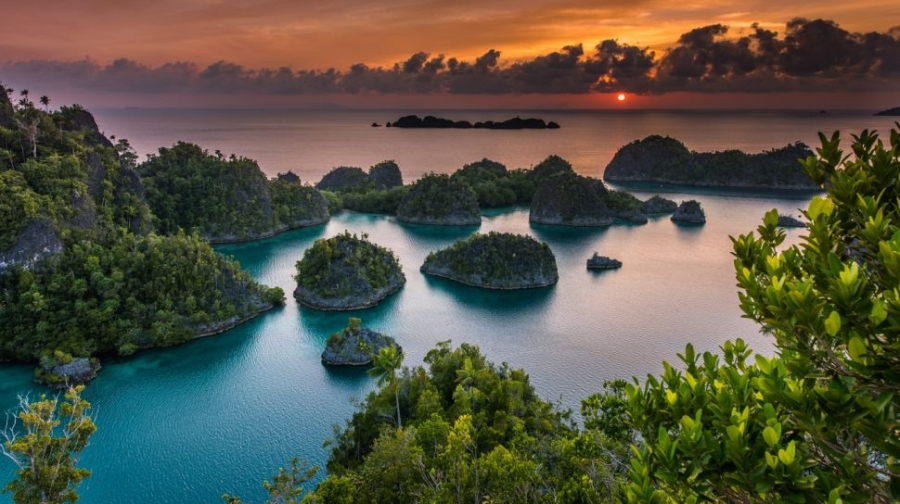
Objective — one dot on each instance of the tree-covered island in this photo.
(355, 345)
(346, 272)
(224, 199)
(665, 160)
(495, 261)
(82, 274)
(441, 200)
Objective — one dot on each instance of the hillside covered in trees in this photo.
(495, 261)
(82, 273)
(224, 199)
(665, 160)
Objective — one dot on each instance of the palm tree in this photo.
(384, 367)
(45, 101)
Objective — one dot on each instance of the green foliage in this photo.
(46, 446)
(286, 487)
(818, 422)
(346, 179)
(122, 292)
(375, 201)
(346, 265)
(472, 432)
(294, 204)
(224, 199)
(496, 260)
(439, 198)
(494, 185)
(553, 165)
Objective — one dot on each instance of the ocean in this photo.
(220, 414)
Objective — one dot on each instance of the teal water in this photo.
(220, 414)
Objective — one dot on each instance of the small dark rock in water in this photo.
(689, 212)
(598, 262)
(376, 125)
(789, 221)
(355, 345)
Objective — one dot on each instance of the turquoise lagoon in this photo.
(220, 414)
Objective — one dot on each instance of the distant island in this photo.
(413, 121)
(665, 160)
(346, 272)
(889, 112)
(495, 261)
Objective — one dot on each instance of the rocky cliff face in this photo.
(38, 240)
(689, 212)
(355, 347)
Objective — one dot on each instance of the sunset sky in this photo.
(420, 53)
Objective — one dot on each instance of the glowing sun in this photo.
(620, 97)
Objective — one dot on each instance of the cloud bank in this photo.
(809, 55)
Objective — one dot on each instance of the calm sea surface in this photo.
(221, 414)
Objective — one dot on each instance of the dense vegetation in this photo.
(346, 179)
(666, 160)
(494, 185)
(355, 345)
(568, 199)
(80, 273)
(440, 199)
(496, 261)
(380, 191)
(346, 272)
(473, 432)
(224, 199)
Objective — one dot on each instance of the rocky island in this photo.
(346, 272)
(227, 200)
(599, 262)
(439, 199)
(495, 261)
(355, 345)
(665, 160)
(413, 121)
(569, 199)
(689, 212)
(790, 221)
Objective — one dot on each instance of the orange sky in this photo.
(317, 35)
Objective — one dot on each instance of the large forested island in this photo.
(82, 272)
(224, 199)
(495, 261)
(347, 272)
(430, 122)
(665, 160)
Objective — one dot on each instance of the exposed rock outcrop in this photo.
(77, 371)
(689, 212)
(386, 175)
(659, 205)
(36, 241)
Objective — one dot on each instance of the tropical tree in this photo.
(817, 422)
(286, 487)
(45, 101)
(44, 440)
(385, 365)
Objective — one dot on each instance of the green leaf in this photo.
(857, 348)
(770, 436)
(833, 324)
(879, 312)
(819, 206)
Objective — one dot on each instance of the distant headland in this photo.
(889, 112)
(413, 121)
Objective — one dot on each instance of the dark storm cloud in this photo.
(810, 54)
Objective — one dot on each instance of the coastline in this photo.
(470, 284)
(263, 236)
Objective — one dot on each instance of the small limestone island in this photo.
(665, 160)
(355, 345)
(889, 112)
(689, 212)
(440, 200)
(564, 198)
(790, 221)
(226, 200)
(516, 123)
(495, 261)
(599, 262)
(346, 272)
(88, 269)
